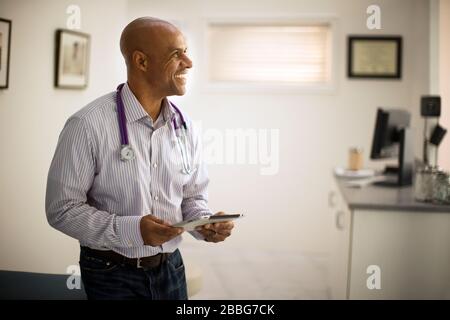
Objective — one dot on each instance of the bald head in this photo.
(156, 56)
(141, 34)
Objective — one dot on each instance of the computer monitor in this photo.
(392, 139)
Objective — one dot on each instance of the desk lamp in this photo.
(430, 107)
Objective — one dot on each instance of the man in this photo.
(121, 209)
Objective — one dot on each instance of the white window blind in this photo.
(269, 53)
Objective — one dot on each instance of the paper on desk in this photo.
(364, 182)
(353, 174)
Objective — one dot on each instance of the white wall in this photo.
(440, 72)
(287, 210)
(290, 209)
(32, 114)
(444, 80)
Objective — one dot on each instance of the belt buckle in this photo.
(138, 263)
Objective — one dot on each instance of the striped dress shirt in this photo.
(97, 198)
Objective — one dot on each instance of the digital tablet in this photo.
(190, 225)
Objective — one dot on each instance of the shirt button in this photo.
(156, 198)
(155, 165)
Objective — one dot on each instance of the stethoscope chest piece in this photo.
(126, 153)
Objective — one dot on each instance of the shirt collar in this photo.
(167, 110)
(134, 110)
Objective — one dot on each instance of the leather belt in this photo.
(144, 262)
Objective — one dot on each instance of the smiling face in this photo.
(167, 63)
(156, 56)
(175, 64)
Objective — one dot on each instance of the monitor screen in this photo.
(386, 136)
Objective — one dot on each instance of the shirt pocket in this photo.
(93, 264)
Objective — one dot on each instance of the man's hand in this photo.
(216, 232)
(155, 231)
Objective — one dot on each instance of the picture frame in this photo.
(378, 57)
(72, 59)
(5, 51)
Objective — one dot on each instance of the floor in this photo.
(258, 274)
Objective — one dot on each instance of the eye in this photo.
(178, 54)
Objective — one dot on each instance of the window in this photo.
(264, 53)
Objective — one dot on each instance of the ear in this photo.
(140, 60)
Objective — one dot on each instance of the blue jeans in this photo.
(115, 281)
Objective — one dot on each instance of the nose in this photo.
(187, 61)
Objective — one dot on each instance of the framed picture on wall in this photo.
(72, 59)
(5, 51)
(375, 57)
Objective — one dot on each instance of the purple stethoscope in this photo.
(127, 153)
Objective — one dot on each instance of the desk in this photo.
(385, 227)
